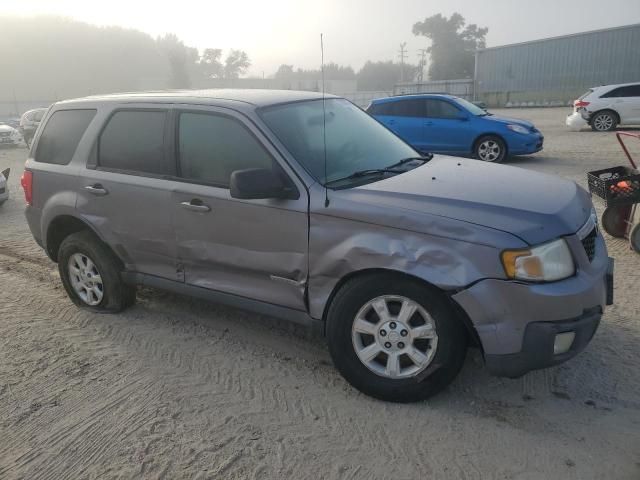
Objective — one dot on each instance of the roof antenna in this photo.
(324, 125)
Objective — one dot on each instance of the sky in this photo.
(274, 32)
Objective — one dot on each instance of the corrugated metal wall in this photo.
(556, 71)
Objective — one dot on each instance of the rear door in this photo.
(406, 118)
(447, 127)
(625, 101)
(125, 192)
(251, 248)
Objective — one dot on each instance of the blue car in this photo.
(448, 124)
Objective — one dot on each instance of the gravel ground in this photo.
(178, 388)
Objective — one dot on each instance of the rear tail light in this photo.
(27, 185)
(580, 104)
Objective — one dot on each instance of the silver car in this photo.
(306, 208)
(4, 189)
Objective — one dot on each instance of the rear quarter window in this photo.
(61, 135)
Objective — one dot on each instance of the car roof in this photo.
(255, 97)
(396, 98)
(615, 85)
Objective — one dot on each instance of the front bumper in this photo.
(510, 316)
(525, 144)
(538, 345)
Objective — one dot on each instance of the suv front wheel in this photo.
(394, 339)
(90, 274)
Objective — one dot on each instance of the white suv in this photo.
(606, 107)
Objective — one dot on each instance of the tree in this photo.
(178, 56)
(284, 72)
(210, 64)
(236, 63)
(382, 76)
(452, 47)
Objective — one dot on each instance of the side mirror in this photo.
(261, 183)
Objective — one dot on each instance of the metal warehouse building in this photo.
(555, 71)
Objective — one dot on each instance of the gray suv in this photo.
(310, 210)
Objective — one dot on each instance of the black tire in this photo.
(451, 343)
(614, 220)
(604, 121)
(116, 294)
(490, 148)
(634, 238)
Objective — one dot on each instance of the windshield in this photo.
(354, 140)
(471, 107)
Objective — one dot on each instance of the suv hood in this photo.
(532, 206)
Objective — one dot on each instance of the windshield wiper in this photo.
(364, 173)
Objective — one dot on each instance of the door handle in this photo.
(195, 205)
(96, 189)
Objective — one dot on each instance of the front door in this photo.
(406, 119)
(252, 248)
(447, 127)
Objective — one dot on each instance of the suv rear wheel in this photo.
(394, 339)
(604, 121)
(90, 274)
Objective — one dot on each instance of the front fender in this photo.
(340, 247)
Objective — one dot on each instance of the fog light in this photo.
(563, 342)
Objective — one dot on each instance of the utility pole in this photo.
(402, 55)
(423, 63)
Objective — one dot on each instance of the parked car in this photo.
(606, 107)
(4, 189)
(260, 200)
(448, 124)
(9, 136)
(29, 123)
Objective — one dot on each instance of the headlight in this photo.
(544, 263)
(517, 128)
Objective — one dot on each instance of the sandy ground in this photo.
(176, 388)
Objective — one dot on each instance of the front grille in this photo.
(589, 243)
(5, 134)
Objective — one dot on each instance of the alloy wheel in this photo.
(489, 151)
(394, 337)
(85, 279)
(603, 122)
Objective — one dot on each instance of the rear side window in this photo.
(211, 147)
(61, 135)
(409, 108)
(628, 91)
(133, 140)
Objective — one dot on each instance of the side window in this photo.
(133, 140)
(409, 108)
(619, 92)
(61, 136)
(385, 108)
(633, 91)
(211, 147)
(441, 109)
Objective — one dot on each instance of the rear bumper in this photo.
(538, 345)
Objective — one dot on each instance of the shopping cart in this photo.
(619, 187)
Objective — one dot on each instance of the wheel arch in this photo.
(458, 311)
(64, 225)
(605, 109)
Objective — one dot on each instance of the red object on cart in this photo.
(619, 187)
